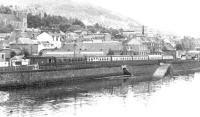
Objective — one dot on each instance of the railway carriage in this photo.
(122, 58)
(155, 57)
(98, 58)
(70, 60)
(140, 57)
(94, 59)
(167, 57)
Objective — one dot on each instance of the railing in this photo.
(36, 67)
(16, 68)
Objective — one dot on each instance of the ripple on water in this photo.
(103, 98)
(4, 96)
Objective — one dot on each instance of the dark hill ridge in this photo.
(88, 13)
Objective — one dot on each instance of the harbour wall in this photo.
(43, 77)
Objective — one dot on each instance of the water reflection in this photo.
(102, 97)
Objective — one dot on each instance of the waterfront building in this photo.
(168, 49)
(155, 45)
(135, 46)
(94, 46)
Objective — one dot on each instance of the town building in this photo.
(9, 53)
(97, 36)
(25, 44)
(128, 34)
(49, 40)
(4, 36)
(196, 44)
(188, 43)
(17, 20)
(94, 46)
(135, 46)
(71, 36)
(154, 44)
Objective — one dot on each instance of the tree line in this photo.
(52, 22)
(60, 23)
(56, 23)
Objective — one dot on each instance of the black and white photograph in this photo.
(99, 58)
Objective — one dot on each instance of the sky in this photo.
(175, 16)
(180, 17)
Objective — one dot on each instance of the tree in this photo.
(12, 54)
(25, 52)
(6, 28)
(40, 53)
(34, 21)
(164, 48)
(78, 22)
(110, 52)
(5, 10)
(74, 27)
(179, 47)
(64, 27)
(91, 29)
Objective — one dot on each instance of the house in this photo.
(9, 53)
(169, 49)
(135, 47)
(97, 36)
(196, 44)
(128, 33)
(25, 44)
(188, 43)
(18, 20)
(155, 45)
(53, 40)
(3, 62)
(4, 36)
(70, 36)
(2, 56)
(4, 44)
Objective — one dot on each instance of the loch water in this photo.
(169, 97)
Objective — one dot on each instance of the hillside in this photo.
(88, 13)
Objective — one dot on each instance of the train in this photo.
(95, 59)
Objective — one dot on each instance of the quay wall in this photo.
(75, 73)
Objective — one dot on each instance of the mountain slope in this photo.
(86, 12)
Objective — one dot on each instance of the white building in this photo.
(49, 41)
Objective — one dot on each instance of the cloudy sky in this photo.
(176, 16)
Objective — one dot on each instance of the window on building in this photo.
(2, 56)
(50, 60)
